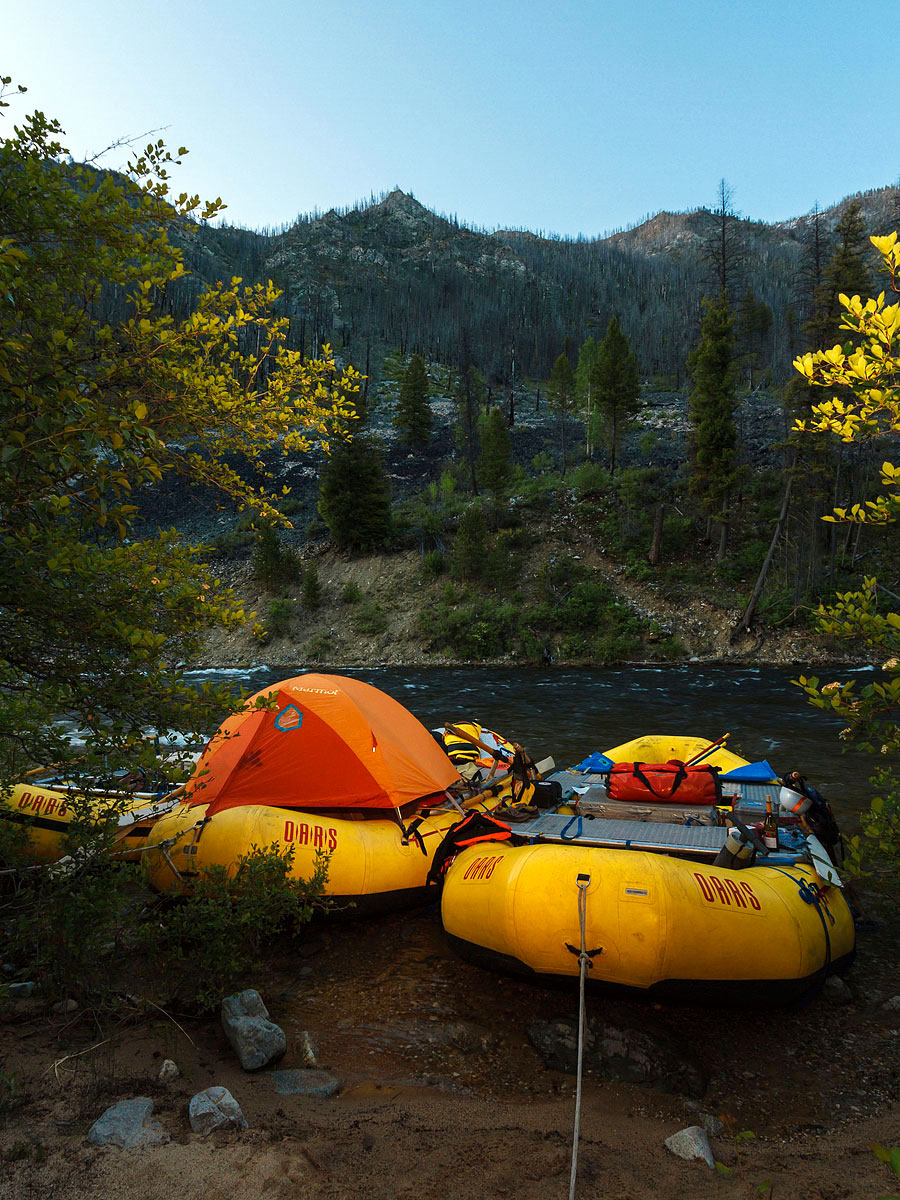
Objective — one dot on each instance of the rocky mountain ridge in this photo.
(393, 275)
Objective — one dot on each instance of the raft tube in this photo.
(48, 812)
(662, 747)
(372, 866)
(662, 925)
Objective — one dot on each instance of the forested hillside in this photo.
(393, 275)
(642, 383)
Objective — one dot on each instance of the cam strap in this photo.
(412, 831)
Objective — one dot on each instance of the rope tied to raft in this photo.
(584, 962)
(811, 893)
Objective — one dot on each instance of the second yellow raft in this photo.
(660, 916)
(375, 864)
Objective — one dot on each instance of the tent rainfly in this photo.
(320, 742)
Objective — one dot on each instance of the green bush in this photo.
(505, 518)
(587, 605)
(575, 646)
(616, 645)
(316, 530)
(504, 560)
(66, 925)
(641, 571)
(62, 922)
(433, 564)
(311, 590)
(538, 493)
(207, 943)
(319, 649)
(281, 614)
(590, 479)
(274, 564)
(667, 649)
(558, 575)
(234, 543)
(483, 629)
(371, 618)
(470, 546)
(594, 626)
(351, 593)
(742, 565)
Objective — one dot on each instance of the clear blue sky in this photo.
(571, 117)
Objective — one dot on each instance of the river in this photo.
(567, 713)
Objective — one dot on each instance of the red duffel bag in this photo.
(665, 783)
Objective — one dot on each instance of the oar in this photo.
(51, 767)
(692, 762)
(541, 769)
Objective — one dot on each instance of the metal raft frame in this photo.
(693, 841)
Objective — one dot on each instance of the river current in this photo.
(567, 713)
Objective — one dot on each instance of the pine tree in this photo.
(311, 589)
(413, 416)
(587, 358)
(495, 462)
(469, 404)
(355, 496)
(714, 437)
(847, 273)
(754, 320)
(273, 564)
(470, 547)
(724, 248)
(814, 254)
(561, 394)
(617, 386)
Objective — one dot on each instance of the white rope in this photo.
(583, 883)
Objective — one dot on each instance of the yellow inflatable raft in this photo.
(660, 916)
(48, 811)
(375, 864)
(661, 747)
(324, 764)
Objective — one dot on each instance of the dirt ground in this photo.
(420, 1115)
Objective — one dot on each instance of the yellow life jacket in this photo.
(460, 750)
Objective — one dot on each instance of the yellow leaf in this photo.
(884, 245)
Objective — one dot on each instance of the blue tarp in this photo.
(595, 762)
(758, 772)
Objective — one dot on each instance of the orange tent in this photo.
(323, 741)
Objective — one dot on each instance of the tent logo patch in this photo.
(289, 719)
